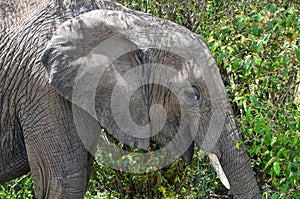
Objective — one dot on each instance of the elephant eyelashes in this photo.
(193, 95)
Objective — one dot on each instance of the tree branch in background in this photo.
(188, 13)
(197, 24)
(192, 19)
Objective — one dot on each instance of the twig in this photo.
(171, 11)
(20, 180)
(219, 196)
(281, 99)
(188, 6)
(183, 178)
(115, 185)
(200, 17)
(197, 6)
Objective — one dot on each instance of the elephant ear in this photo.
(87, 44)
(87, 57)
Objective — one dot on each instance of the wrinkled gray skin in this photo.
(37, 130)
(12, 10)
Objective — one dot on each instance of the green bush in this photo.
(257, 51)
(17, 188)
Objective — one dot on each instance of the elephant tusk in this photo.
(218, 168)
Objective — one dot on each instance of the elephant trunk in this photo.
(235, 162)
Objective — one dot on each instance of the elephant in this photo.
(11, 10)
(74, 67)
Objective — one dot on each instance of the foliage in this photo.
(258, 52)
(256, 46)
(176, 181)
(18, 188)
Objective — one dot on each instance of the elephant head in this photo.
(145, 79)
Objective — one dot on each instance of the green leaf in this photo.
(257, 150)
(298, 54)
(288, 170)
(274, 196)
(230, 49)
(296, 139)
(262, 120)
(272, 7)
(266, 37)
(237, 145)
(242, 40)
(215, 46)
(283, 151)
(241, 25)
(276, 168)
(256, 30)
(285, 60)
(254, 101)
(248, 114)
(222, 55)
(274, 139)
(269, 163)
(237, 64)
(258, 46)
(260, 17)
(285, 188)
(257, 59)
(285, 71)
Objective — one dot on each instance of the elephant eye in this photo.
(193, 95)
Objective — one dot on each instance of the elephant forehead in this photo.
(191, 68)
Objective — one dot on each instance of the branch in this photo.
(20, 180)
(281, 99)
(200, 17)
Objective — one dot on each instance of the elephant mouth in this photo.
(187, 156)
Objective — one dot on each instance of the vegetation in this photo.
(256, 46)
